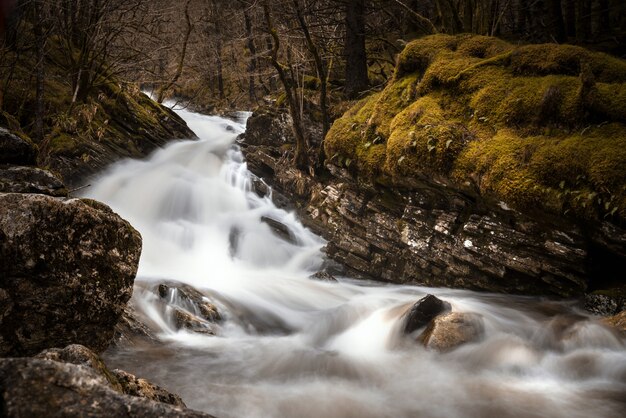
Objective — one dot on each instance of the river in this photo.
(290, 346)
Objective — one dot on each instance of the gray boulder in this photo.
(67, 269)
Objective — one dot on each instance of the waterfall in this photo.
(290, 346)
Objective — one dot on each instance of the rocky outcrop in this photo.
(425, 231)
(15, 150)
(66, 272)
(35, 387)
(447, 332)
(424, 311)
(30, 180)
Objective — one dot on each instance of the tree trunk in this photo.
(179, 69)
(603, 17)
(354, 49)
(300, 155)
(583, 20)
(570, 18)
(320, 67)
(40, 44)
(468, 16)
(556, 24)
(252, 68)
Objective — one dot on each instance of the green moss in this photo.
(535, 126)
(419, 54)
(566, 60)
(61, 143)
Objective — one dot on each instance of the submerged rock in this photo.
(617, 321)
(424, 311)
(323, 276)
(66, 272)
(33, 387)
(30, 180)
(279, 229)
(447, 332)
(190, 299)
(15, 150)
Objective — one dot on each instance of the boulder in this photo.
(34, 387)
(30, 180)
(15, 150)
(447, 332)
(67, 269)
(424, 311)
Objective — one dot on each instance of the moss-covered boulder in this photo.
(67, 269)
(537, 126)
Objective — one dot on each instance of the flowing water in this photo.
(290, 346)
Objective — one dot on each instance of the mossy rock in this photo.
(538, 126)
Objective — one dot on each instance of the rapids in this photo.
(290, 346)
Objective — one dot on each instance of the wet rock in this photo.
(66, 272)
(15, 150)
(189, 299)
(604, 305)
(134, 386)
(323, 277)
(82, 356)
(132, 328)
(30, 180)
(268, 125)
(33, 387)
(423, 311)
(447, 332)
(187, 320)
(617, 321)
(279, 229)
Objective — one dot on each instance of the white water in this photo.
(289, 346)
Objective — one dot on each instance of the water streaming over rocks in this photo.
(291, 346)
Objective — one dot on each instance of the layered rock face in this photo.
(428, 232)
(67, 269)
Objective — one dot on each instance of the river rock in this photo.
(189, 299)
(82, 356)
(132, 328)
(446, 332)
(279, 229)
(30, 180)
(603, 305)
(323, 276)
(15, 150)
(616, 321)
(33, 387)
(66, 272)
(423, 311)
(135, 386)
